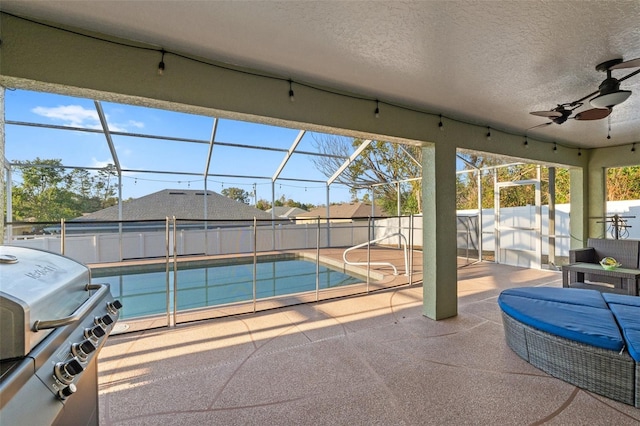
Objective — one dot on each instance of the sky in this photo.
(82, 149)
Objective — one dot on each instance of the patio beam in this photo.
(351, 158)
(286, 158)
(214, 130)
(107, 135)
(114, 155)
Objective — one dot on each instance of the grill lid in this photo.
(35, 285)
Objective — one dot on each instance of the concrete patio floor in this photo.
(363, 360)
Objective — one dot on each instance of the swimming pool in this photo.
(144, 293)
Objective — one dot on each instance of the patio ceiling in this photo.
(489, 63)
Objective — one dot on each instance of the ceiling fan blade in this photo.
(540, 125)
(593, 114)
(631, 74)
(632, 63)
(550, 114)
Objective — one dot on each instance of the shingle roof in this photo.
(341, 211)
(287, 212)
(183, 204)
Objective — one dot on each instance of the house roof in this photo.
(344, 211)
(287, 212)
(183, 204)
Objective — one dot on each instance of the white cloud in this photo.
(70, 115)
(101, 164)
(79, 116)
(116, 128)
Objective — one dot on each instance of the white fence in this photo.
(523, 239)
(111, 247)
(525, 216)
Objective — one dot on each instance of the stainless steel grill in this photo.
(53, 323)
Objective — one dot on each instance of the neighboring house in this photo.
(347, 212)
(183, 204)
(285, 212)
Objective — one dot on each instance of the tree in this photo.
(43, 194)
(104, 189)
(623, 183)
(288, 202)
(237, 194)
(49, 193)
(380, 162)
(283, 202)
(467, 183)
(94, 191)
(263, 205)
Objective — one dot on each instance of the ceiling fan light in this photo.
(611, 99)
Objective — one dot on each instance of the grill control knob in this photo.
(114, 306)
(66, 371)
(83, 349)
(104, 321)
(94, 333)
(67, 392)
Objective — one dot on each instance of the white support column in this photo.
(480, 222)
(496, 218)
(552, 217)
(4, 168)
(579, 213)
(538, 219)
(440, 280)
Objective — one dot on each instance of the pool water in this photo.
(144, 293)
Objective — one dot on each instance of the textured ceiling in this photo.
(486, 62)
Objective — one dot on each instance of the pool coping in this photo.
(145, 265)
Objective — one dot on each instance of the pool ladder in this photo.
(395, 270)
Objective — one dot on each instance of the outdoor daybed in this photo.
(584, 337)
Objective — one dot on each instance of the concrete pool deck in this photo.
(368, 359)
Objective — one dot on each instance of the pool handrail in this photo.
(395, 270)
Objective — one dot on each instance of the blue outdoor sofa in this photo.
(584, 337)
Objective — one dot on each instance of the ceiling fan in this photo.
(604, 99)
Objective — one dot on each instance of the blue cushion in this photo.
(632, 336)
(621, 299)
(627, 316)
(574, 296)
(585, 324)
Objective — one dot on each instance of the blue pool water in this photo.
(145, 293)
